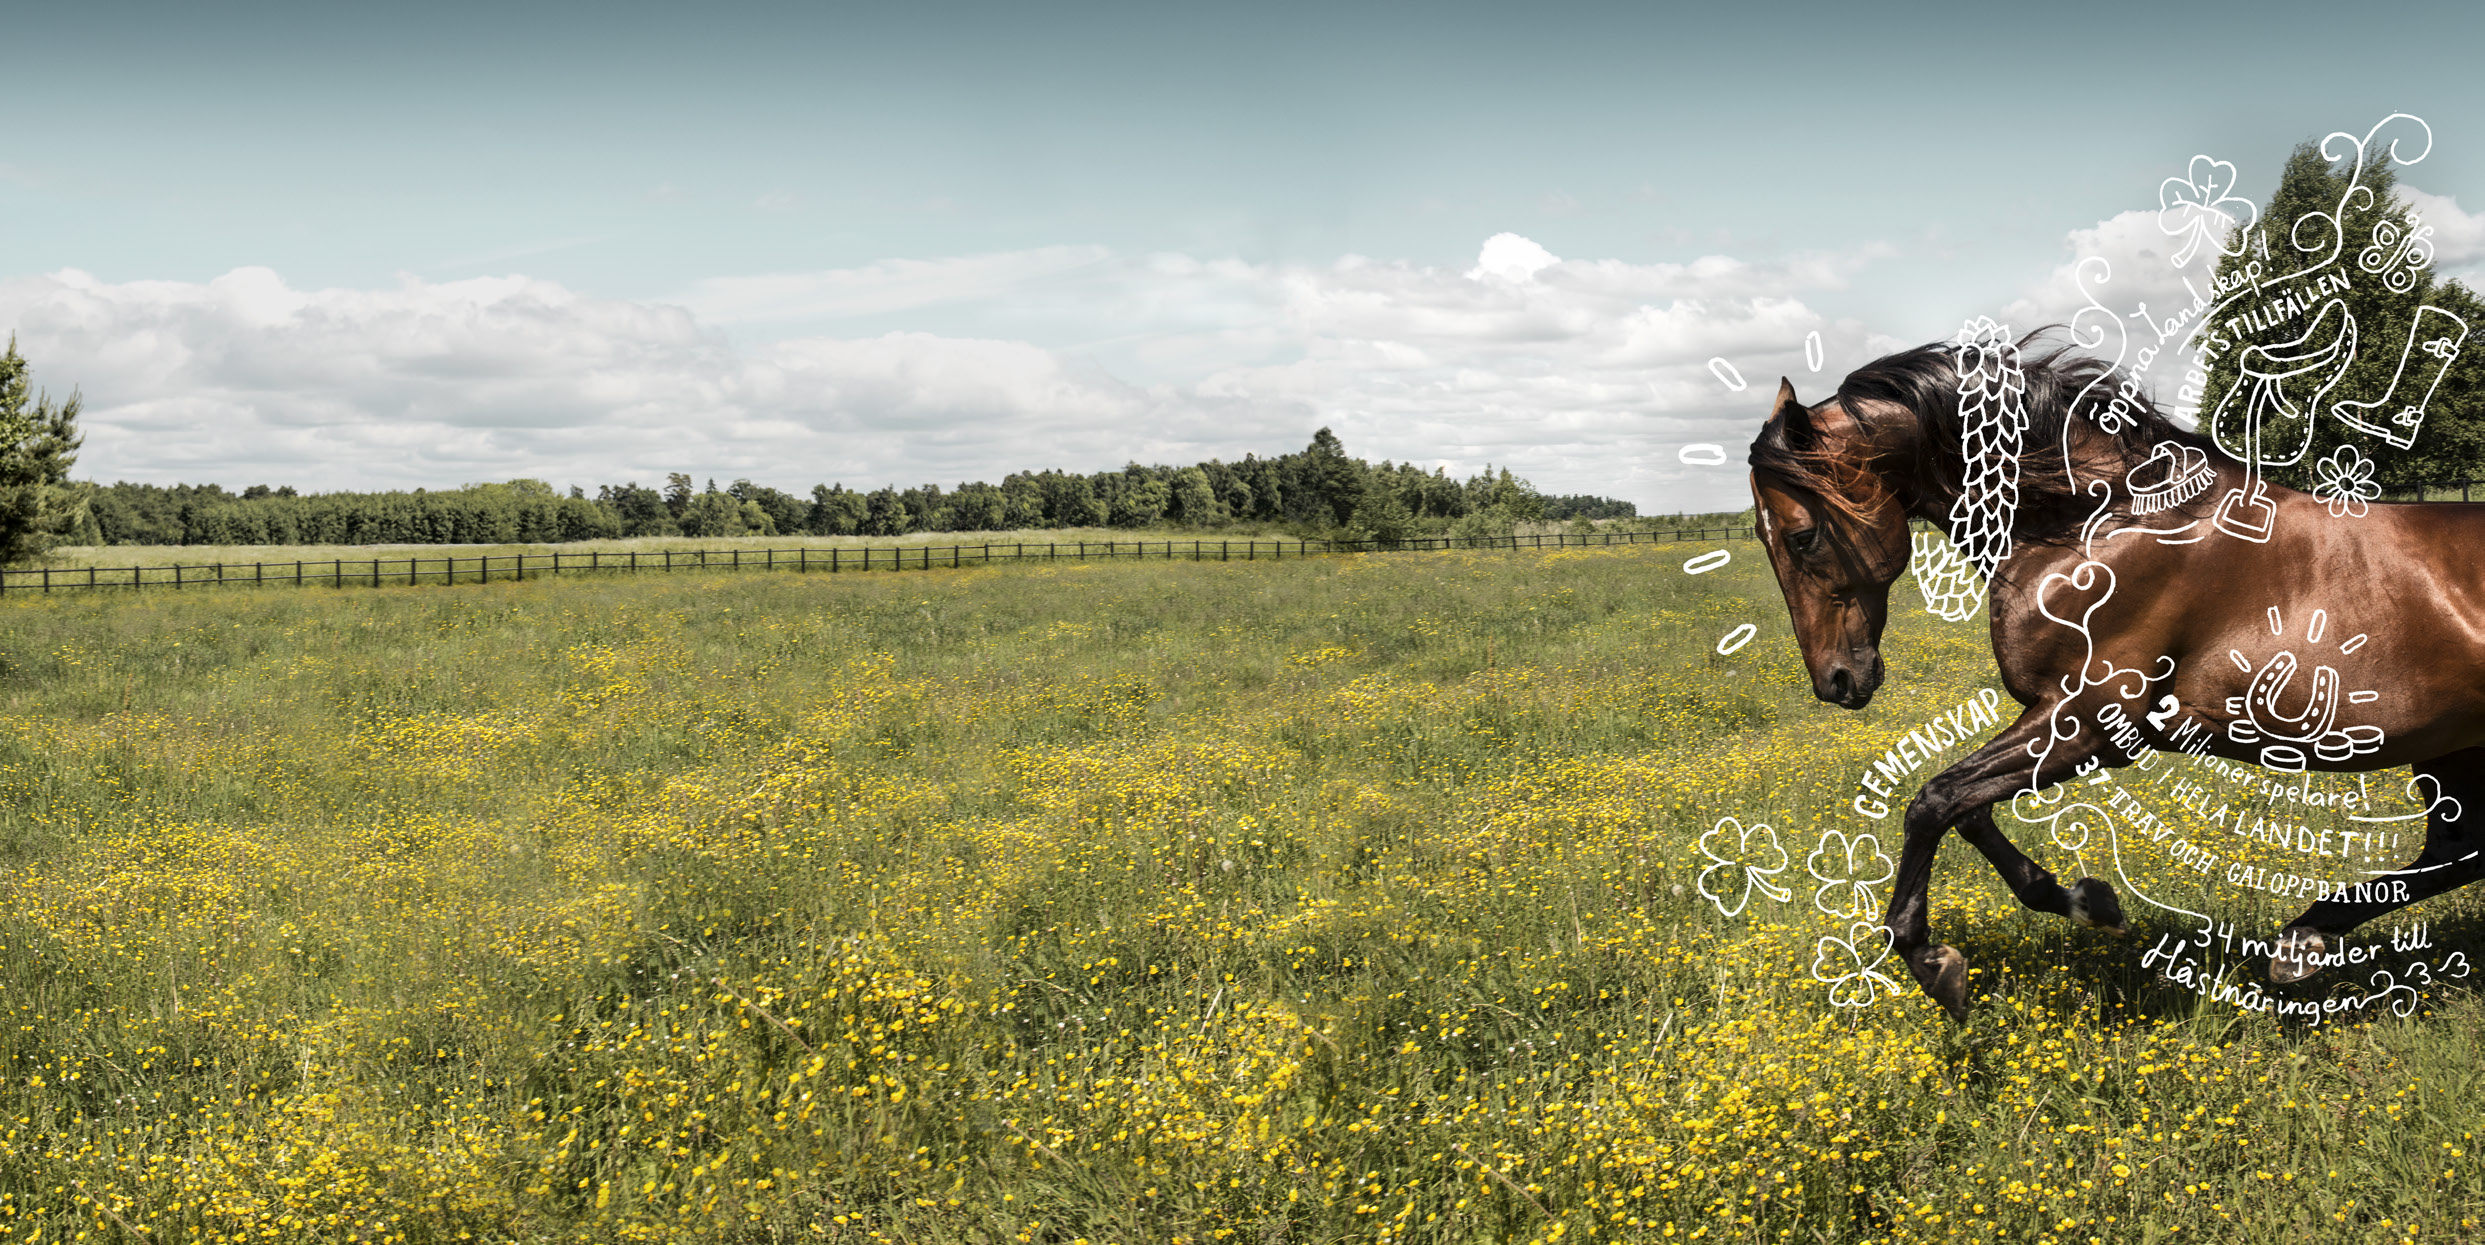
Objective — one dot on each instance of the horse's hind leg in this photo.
(2087, 901)
(2454, 856)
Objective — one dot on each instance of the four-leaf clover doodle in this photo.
(1849, 869)
(1849, 966)
(1742, 863)
(2197, 204)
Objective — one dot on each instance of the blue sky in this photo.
(386, 245)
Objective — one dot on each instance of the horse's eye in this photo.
(1802, 543)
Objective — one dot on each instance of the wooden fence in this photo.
(2427, 490)
(415, 569)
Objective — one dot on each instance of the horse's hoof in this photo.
(2095, 906)
(2298, 955)
(1942, 971)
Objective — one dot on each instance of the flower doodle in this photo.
(2197, 204)
(1849, 869)
(1750, 851)
(1850, 966)
(2344, 480)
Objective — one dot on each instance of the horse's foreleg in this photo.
(1994, 772)
(2087, 902)
(2453, 856)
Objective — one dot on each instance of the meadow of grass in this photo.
(1348, 898)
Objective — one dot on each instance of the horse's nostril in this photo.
(1841, 684)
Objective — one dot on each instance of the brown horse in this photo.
(2154, 595)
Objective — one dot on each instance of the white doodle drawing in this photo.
(2260, 426)
(2088, 332)
(1702, 454)
(1726, 373)
(2398, 251)
(1952, 588)
(1812, 350)
(2199, 208)
(1707, 562)
(2343, 481)
(1847, 869)
(2171, 475)
(1745, 869)
(2434, 802)
(1993, 415)
(2316, 234)
(2258, 719)
(1733, 641)
(2398, 415)
(1850, 966)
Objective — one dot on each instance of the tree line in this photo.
(1318, 489)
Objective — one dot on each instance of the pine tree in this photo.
(39, 506)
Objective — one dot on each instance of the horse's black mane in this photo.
(1929, 466)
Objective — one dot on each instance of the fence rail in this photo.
(376, 572)
(2420, 491)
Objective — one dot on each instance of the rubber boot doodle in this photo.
(2397, 415)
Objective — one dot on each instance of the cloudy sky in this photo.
(386, 246)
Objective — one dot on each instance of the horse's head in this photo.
(1837, 538)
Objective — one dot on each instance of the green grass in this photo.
(1348, 898)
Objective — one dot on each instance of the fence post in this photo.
(176, 574)
(47, 579)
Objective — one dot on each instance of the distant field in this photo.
(1350, 898)
(165, 555)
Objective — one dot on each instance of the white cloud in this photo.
(2140, 269)
(1511, 258)
(2458, 235)
(1583, 375)
(878, 289)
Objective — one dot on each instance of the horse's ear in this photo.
(1786, 400)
